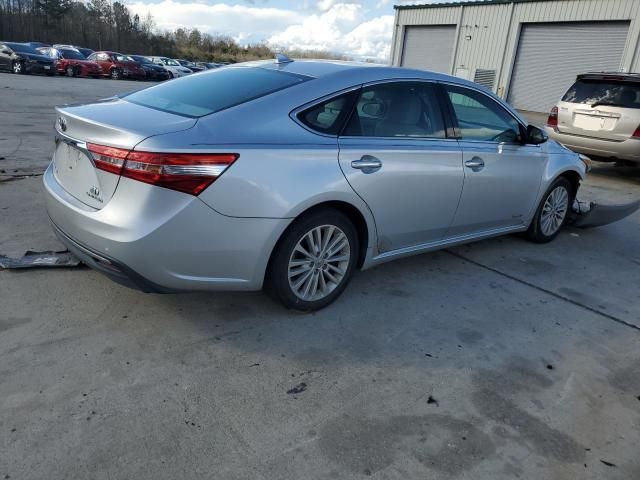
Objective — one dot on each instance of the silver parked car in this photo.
(291, 175)
(600, 117)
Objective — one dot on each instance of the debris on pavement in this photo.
(608, 464)
(33, 259)
(301, 387)
(431, 401)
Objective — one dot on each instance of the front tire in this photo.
(313, 261)
(70, 71)
(17, 68)
(115, 74)
(553, 212)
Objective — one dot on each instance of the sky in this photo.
(360, 29)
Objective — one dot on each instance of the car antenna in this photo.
(282, 58)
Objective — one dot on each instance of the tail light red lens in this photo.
(109, 159)
(552, 121)
(185, 172)
(636, 134)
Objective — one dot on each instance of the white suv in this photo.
(600, 117)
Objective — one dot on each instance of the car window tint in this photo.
(329, 116)
(482, 118)
(403, 109)
(215, 90)
(601, 92)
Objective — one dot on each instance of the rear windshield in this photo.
(19, 47)
(604, 92)
(214, 90)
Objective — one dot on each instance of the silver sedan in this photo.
(290, 175)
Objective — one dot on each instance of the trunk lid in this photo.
(112, 123)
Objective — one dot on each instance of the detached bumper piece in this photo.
(594, 215)
(40, 259)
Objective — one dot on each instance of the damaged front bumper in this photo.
(588, 215)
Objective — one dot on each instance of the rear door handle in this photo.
(475, 164)
(368, 164)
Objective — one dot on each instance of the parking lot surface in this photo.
(496, 360)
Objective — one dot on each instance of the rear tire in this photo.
(313, 261)
(553, 212)
(70, 71)
(115, 74)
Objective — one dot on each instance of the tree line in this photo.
(102, 25)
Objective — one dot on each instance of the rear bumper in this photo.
(113, 269)
(626, 150)
(39, 68)
(160, 240)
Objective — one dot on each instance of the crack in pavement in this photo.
(544, 290)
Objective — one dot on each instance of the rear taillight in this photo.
(185, 172)
(109, 159)
(552, 121)
(636, 134)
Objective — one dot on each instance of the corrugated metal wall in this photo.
(495, 30)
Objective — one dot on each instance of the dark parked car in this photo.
(151, 70)
(118, 66)
(208, 65)
(22, 58)
(72, 63)
(190, 65)
(38, 44)
(84, 51)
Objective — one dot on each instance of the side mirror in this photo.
(536, 136)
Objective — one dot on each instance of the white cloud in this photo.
(335, 26)
(341, 29)
(247, 24)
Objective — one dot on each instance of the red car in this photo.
(71, 62)
(117, 66)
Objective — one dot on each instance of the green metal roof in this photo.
(465, 3)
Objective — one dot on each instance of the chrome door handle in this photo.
(367, 164)
(475, 164)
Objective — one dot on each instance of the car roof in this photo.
(627, 76)
(362, 71)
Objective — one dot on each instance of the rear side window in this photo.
(604, 92)
(403, 109)
(206, 93)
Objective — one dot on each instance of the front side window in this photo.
(481, 118)
(615, 93)
(402, 109)
(93, 57)
(200, 95)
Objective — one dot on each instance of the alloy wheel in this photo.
(554, 211)
(319, 262)
(17, 67)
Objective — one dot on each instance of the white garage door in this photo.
(429, 47)
(550, 55)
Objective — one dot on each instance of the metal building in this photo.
(527, 51)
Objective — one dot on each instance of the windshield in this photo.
(118, 57)
(168, 61)
(203, 94)
(67, 53)
(604, 92)
(18, 47)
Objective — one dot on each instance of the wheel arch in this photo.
(357, 217)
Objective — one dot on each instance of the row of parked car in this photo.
(74, 61)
